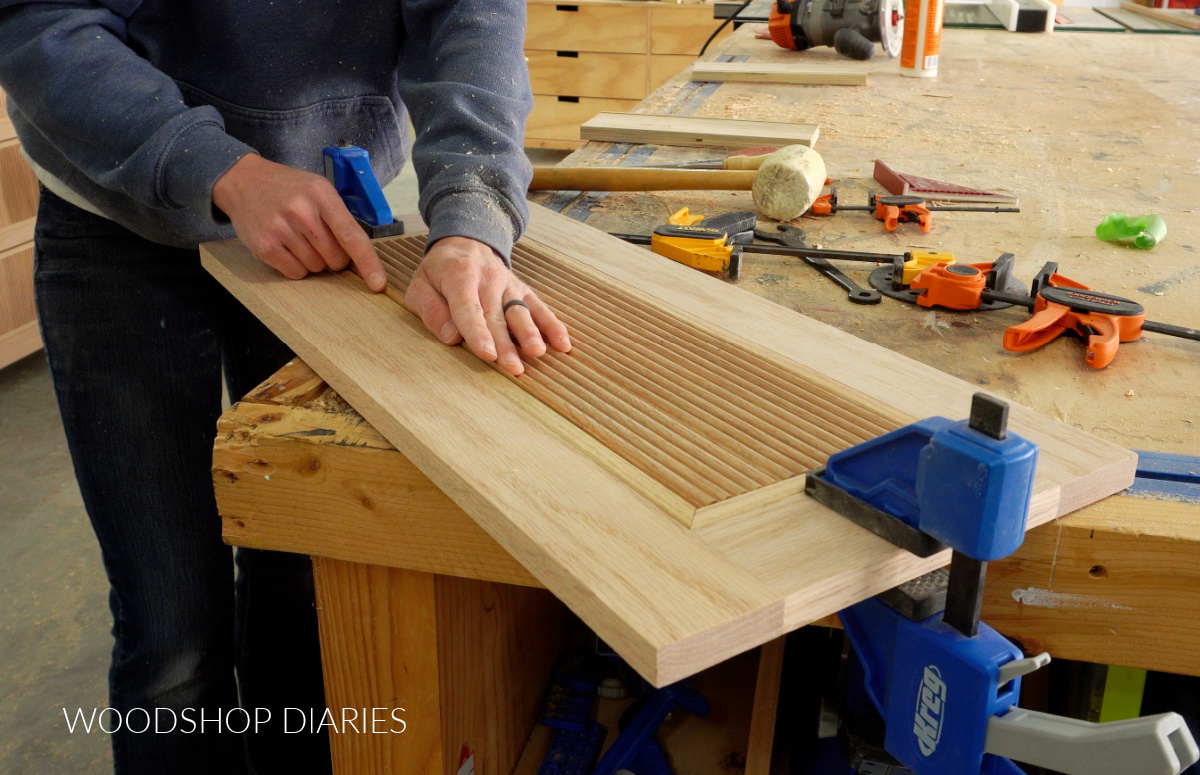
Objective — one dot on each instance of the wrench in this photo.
(792, 237)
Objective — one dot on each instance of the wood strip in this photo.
(497, 648)
(695, 132)
(766, 707)
(1181, 16)
(379, 649)
(790, 72)
(639, 179)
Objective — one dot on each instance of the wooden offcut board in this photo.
(697, 132)
(814, 74)
(648, 478)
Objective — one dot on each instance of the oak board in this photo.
(773, 72)
(695, 132)
(588, 522)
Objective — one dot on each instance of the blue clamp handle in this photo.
(947, 480)
(632, 742)
(348, 168)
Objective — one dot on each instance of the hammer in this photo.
(784, 186)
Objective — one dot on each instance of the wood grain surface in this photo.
(467, 662)
(679, 403)
(19, 334)
(670, 600)
(1109, 599)
(587, 27)
(588, 74)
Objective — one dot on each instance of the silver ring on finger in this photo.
(513, 303)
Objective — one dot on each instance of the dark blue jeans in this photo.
(137, 336)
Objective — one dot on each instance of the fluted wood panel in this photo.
(707, 421)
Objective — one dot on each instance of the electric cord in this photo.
(722, 26)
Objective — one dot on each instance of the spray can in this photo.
(922, 38)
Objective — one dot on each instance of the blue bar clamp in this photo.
(947, 685)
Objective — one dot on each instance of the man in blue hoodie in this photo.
(155, 125)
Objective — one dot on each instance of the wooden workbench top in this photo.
(1078, 125)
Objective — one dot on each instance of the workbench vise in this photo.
(946, 684)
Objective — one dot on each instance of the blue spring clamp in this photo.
(946, 684)
(348, 168)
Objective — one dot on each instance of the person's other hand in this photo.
(460, 290)
(294, 221)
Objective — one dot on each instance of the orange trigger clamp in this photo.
(892, 210)
(1063, 305)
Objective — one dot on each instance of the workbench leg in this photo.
(468, 661)
(766, 707)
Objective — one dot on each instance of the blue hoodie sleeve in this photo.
(464, 80)
(123, 123)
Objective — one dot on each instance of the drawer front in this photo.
(588, 74)
(18, 186)
(16, 288)
(568, 27)
(682, 29)
(558, 118)
(18, 323)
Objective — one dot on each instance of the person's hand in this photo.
(460, 290)
(294, 221)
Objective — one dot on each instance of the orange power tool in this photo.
(893, 210)
(1060, 305)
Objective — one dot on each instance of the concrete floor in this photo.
(54, 622)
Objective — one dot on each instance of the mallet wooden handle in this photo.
(639, 179)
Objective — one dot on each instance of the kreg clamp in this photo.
(946, 684)
(348, 168)
(637, 748)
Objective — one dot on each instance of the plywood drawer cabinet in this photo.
(594, 55)
(18, 205)
(588, 74)
(614, 27)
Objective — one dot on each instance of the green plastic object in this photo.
(1145, 231)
